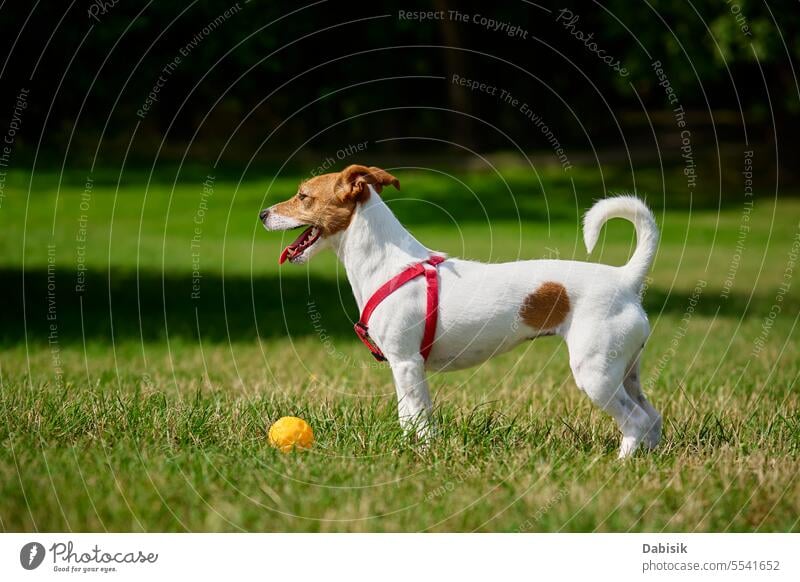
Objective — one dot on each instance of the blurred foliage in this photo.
(285, 76)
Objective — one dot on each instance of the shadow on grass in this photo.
(153, 307)
(236, 308)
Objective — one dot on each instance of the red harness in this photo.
(427, 267)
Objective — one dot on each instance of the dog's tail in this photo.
(633, 209)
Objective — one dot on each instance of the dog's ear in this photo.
(353, 181)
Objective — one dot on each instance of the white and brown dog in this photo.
(484, 309)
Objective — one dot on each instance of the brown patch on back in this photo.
(547, 307)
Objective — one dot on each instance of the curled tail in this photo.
(633, 209)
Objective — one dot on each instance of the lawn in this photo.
(150, 338)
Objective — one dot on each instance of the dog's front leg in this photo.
(413, 396)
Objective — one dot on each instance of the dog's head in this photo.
(324, 205)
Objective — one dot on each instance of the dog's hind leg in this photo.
(413, 397)
(601, 376)
(633, 386)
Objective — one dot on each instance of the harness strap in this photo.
(428, 268)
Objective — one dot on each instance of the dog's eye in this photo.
(302, 196)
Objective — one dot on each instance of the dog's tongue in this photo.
(298, 242)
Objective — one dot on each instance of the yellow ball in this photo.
(290, 432)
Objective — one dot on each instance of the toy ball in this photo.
(290, 432)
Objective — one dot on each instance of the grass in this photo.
(148, 411)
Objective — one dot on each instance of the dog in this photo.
(484, 309)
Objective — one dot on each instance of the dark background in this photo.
(280, 77)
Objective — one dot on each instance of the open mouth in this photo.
(301, 244)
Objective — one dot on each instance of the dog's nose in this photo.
(263, 214)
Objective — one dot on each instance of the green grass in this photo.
(158, 418)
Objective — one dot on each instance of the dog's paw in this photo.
(420, 429)
(628, 447)
(653, 436)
